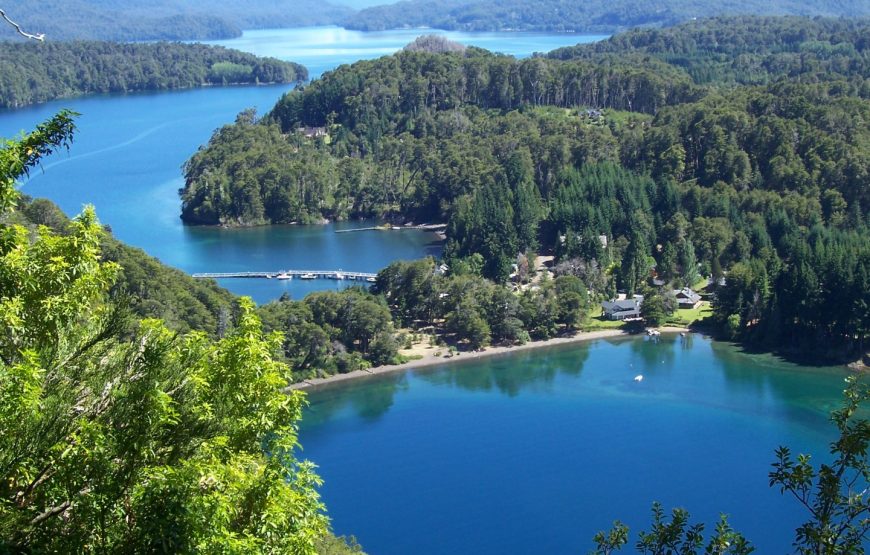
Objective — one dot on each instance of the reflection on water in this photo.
(559, 442)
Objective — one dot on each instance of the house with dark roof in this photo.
(623, 309)
(313, 132)
(686, 298)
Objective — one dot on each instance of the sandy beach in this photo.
(431, 360)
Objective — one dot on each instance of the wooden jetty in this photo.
(292, 274)
(389, 227)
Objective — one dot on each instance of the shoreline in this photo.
(430, 359)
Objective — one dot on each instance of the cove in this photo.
(535, 452)
(127, 155)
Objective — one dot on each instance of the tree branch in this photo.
(40, 37)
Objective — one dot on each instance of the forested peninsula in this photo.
(604, 16)
(648, 160)
(37, 72)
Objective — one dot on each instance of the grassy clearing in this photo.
(597, 322)
(686, 317)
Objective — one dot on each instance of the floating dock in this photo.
(292, 274)
(435, 228)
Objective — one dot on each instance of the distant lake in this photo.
(323, 48)
(533, 453)
(127, 155)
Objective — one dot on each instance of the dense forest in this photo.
(662, 149)
(121, 434)
(37, 72)
(149, 289)
(126, 20)
(591, 16)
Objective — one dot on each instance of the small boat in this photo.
(638, 378)
(371, 279)
(307, 276)
(337, 275)
(653, 332)
(283, 275)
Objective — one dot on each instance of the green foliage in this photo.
(758, 162)
(836, 495)
(121, 438)
(474, 311)
(676, 535)
(653, 309)
(333, 332)
(34, 73)
(331, 545)
(146, 287)
(560, 15)
(18, 156)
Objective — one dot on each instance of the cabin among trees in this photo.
(686, 298)
(622, 309)
(313, 132)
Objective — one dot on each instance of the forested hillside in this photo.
(687, 173)
(591, 16)
(36, 72)
(147, 287)
(127, 20)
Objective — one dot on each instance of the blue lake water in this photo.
(128, 152)
(323, 48)
(535, 452)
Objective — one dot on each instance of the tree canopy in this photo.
(725, 144)
(123, 436)
(37, 72)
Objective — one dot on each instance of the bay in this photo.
(127, 155)
(536, 451)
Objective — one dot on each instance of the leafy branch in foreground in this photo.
(18, 156)
(132, 439)
(835, 495)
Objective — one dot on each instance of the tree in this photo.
(652, 309)
(838, 501)
(468, 324)
(571, 298)
(130, 438)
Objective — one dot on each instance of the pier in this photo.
(388, 227)
(292, 274)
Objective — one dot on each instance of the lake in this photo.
(528, 453)
(323, 48)
(535, 452)
(128, 152)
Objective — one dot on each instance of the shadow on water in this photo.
(512, 374)
(368, 400)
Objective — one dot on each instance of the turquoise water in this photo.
(535, 452)
(128, 152)
(323, 48)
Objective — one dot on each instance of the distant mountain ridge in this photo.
(589, 16)
(125, 20)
